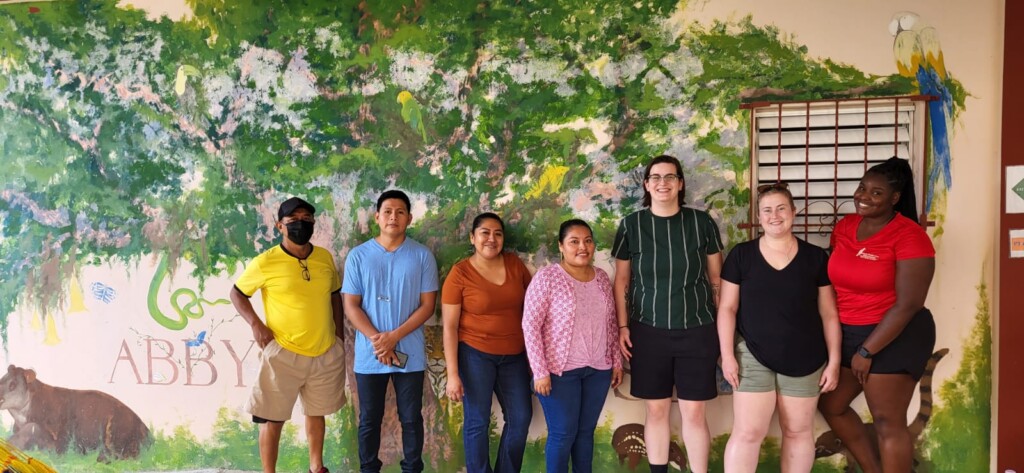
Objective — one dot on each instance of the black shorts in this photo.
(684, 359)
(907, 354)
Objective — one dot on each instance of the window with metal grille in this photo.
(821, 148)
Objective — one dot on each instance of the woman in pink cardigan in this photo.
(572, 343)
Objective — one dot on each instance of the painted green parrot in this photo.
(412, 113)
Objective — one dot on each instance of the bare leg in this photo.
(696, 434)
(656, 430)
(888, 398)
(751, 418)
(270, 438)
(796, 417)
(847, 425)
(315, 428)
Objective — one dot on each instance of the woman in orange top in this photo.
(482, 311)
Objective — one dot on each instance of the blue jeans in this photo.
(372, 389)
(508, 377)
(571, 411)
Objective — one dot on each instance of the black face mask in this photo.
(300, 231)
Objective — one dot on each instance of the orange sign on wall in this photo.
(1016, 243)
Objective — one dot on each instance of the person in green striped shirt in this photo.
(668, 261)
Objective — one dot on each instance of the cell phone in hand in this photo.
(402, 359)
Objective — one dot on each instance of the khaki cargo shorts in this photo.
(285, 376)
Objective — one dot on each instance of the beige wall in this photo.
(971, 36)
(849, 32)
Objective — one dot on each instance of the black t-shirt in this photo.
(778, 313)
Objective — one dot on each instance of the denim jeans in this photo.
(372, 389)
(508, 378)
(572, 411)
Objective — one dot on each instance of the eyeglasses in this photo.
(774, 186)
(305, 269)
(667, 178)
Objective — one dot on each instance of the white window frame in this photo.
(826, 145)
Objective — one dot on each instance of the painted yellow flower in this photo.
(550, 182)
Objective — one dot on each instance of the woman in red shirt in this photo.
(881, 266)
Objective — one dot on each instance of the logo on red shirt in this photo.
(865, 255)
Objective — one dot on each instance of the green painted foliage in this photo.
(107, 161)
(299, 98)
(233, 445)
(959, 434)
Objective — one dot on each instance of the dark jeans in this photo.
(571, 411)
(372, 389)
(508, 377)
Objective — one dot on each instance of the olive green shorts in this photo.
(757, 378)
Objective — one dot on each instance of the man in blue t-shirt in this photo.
(389, 292)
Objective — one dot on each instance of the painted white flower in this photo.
(298, 83)
(411, 70)
(260, 66)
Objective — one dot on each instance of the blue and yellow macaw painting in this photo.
(144, 159)
(919, 57)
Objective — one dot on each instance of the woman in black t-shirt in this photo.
(776, 294)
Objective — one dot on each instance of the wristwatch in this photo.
(863, 352)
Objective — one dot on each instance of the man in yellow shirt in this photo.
(301, 340)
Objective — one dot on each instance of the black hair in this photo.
(900, 177)
(569, 224)
(394, 194)
(479, 220)
(679, 170)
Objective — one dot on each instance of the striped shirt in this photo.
(668, 285)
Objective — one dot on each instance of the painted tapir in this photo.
(55, 419)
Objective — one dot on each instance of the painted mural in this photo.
(144, 160)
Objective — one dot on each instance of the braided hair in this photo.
(900, 176)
